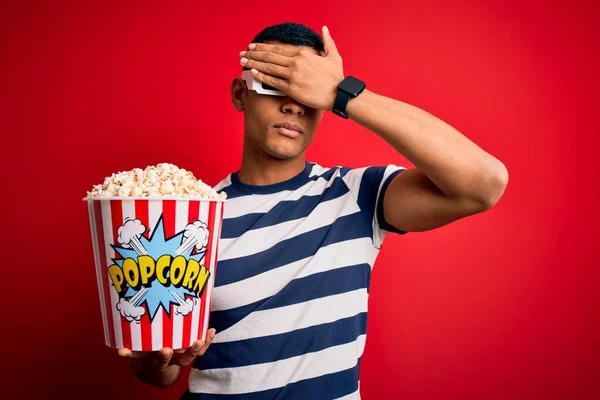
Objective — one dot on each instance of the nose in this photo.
(291, 106)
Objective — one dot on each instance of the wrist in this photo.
(356, 104)
(348, 89)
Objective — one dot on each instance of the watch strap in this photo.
(341, 101)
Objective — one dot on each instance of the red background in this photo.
(502, 305)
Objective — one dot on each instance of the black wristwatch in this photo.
(349, 88)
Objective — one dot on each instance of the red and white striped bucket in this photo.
(155, 266)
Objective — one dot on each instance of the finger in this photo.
(190, 354)
(330, 47)
(163, 357)
(267, 68)
(277, 83)
(284, 50)
(267, 57)
(209, 339)
(124, 352)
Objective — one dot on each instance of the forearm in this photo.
(149, 373)
(457, 166)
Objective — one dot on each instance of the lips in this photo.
(287, 126)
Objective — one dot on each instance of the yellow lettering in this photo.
(131, 272)
(167, 270)
(177, 270)
(192, 271)
(162, 264)
(146, 269)
(201, 281)
(116, 276)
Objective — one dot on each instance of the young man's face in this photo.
(264, 115)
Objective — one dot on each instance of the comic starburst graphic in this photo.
(134, 243)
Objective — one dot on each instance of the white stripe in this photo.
(261, 239)
(258, 377)
(213, 262)
(202, 216)
(157, 333)
(353, 179)
(128, 207)
(263, 203)
(181, 215)
(297, 316)
(318, 170)
(224, 183)
(99, 274)
(337, 255)
(181, 220)
(154, 212)
(110, 253)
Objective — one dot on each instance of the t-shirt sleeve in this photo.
(368, 185)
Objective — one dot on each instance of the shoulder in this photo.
(319, 171)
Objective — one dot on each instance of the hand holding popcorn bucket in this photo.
(155, 256)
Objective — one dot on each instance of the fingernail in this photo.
(198, 346)
(252, 46)
(254, 71)
(244, 60)
(326, 30)
(242, 53)
(213, 333)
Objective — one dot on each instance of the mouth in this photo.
(288, 129)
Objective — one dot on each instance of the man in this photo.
(299, 240)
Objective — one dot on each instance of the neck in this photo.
(259, 168)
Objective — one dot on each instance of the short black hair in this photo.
(291, 33)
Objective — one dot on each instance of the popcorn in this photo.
(162, 180)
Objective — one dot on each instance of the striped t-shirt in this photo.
(291, 286)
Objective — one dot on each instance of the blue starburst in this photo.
(158, 295)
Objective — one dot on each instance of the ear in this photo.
(239, 93)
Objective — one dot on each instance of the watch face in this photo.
(352, 85)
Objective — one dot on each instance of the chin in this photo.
(283, 150)
(282, 155)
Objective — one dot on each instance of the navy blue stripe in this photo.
(383, 224)
(236, 189)
(290, 184)
(367, 193)
(359, 364)
(282, 346)
(307, 244)
(225, 189)
(324, 387)
(327, 174)
(282, 212)
(336, 281)
(344, 171)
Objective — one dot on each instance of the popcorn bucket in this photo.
(155, 263)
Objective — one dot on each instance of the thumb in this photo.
(330, 47)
